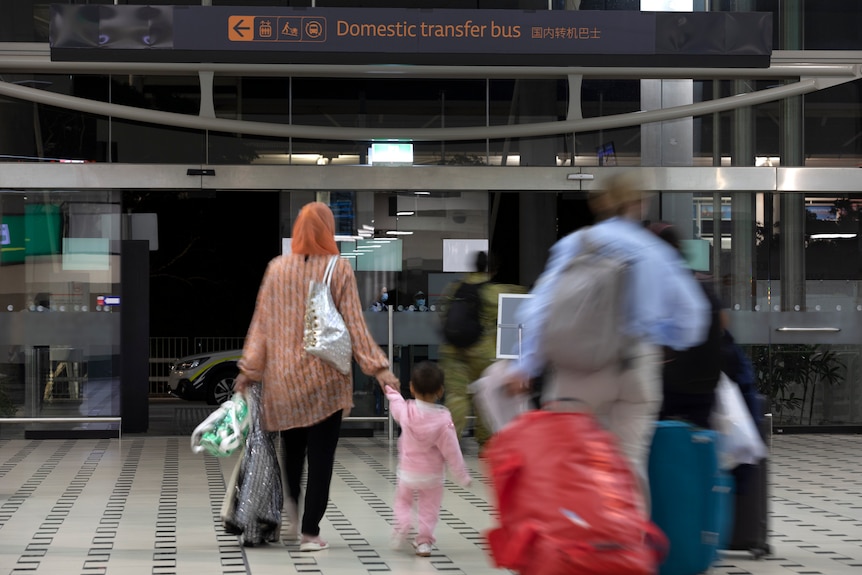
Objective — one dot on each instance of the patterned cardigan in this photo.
(299, 390)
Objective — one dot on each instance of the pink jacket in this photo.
(428, 443)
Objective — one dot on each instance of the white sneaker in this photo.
(423, 550)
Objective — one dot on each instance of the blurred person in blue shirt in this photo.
(665, 307)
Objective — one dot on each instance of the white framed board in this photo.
(509, 332)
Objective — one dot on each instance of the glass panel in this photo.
(323, 153)
(831, 26)
(395, 241)
(399, 103)
(39, 132)
(799, 319)
(136, 142)
(139, 143)
(240, 149)
(59, 337)
(460, 153)
(805, 349)
(832, 126)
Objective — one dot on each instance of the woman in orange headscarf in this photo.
(303, 397)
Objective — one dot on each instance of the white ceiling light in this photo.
(832, 236)
(404, 213)
(398, 233)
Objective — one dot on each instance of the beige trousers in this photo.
(627, 402)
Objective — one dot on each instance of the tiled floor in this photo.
(148, 505)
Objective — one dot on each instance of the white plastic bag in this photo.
(739, 441)
(224, 430)
(493, 400)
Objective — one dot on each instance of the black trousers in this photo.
(692, 407)
(317, 443)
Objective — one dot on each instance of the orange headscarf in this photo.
(314, 231)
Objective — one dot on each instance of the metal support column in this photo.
(792, 206)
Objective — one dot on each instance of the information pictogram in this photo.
(265, 29)
(301, 29)
(313, 29)
(239, 28)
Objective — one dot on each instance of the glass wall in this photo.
(831, 122)
(810, 287)
(787, 268)
(409, 246)
(59, 306)
(786, 262)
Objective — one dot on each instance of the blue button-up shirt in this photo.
(665, 304)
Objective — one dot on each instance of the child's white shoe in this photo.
(423, 550)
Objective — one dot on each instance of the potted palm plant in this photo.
(789, 375)
(7, 406)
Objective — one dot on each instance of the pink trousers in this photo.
(428, 510)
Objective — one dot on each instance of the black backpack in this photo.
(462, 327)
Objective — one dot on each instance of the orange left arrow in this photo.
(240, 28)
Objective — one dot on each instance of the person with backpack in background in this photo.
(661, 304)
(469, 321)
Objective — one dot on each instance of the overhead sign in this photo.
(409, 36)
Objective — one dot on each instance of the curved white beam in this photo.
(416, 134)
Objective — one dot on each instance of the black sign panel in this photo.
(409, 36)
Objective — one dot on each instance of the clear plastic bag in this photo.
(493, 400)
(225, 430)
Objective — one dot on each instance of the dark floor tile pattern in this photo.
(231, 555)
(42, 539)
(70, 501)
(165, 551)
(356, 541)
(806, 474)
(446, 516)
(440, 561)
(14, 501)
(99, 553)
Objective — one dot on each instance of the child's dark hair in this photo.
(427, 378)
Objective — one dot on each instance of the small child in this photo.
(427, 445)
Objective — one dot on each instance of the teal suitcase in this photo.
(691, 498)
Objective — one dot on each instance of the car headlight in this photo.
(189, 364)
